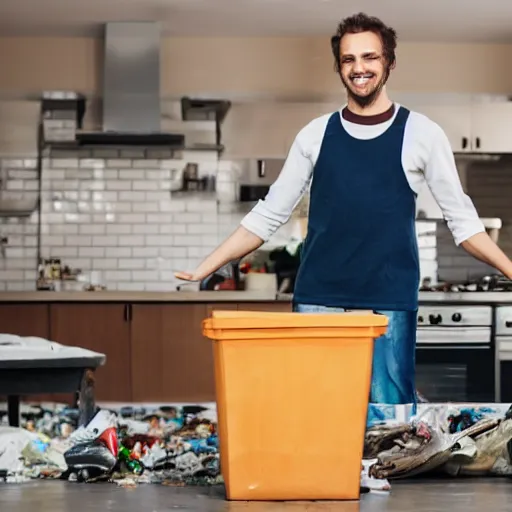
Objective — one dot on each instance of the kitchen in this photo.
(118, 218)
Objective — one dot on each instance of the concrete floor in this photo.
(419, 496)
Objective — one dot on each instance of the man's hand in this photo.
(484, 249)
(185, 276)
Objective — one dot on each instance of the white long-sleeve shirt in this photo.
(427, 157)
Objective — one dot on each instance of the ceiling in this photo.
(432, 20)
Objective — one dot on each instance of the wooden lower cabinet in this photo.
(171, 359)
(25, 319)
(156, 352)
(104, 328)
(271, 307)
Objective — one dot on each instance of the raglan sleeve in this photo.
(270, 213)
(443, 180)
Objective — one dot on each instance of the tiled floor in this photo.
(419, 496)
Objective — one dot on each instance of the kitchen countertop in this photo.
(228, 296)
(467, 297)
(450, 297)
(121, 296)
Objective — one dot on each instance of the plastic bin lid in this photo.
(251, 321)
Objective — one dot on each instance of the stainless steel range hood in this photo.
(131, 89)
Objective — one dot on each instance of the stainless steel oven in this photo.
(455, 354)
(504, 352)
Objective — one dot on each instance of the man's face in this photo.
(364, 70)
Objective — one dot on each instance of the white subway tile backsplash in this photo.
(105, 263)
(201, 229)
(92, 163)
(19, 263)
(146, 185)
(157, 196)
(105, 240)
(209, 240)
(59, 163)
(14, 252)
(132, 264)
(131, 174)
(118, 185)
(118, 252)
(172, 229)
(120, 207)
(132, 218)
(132, 196)
(54, 240)
(128, 286)
(145, 252)
(55, 174)
(130, 240)
(146, 164)
(145, 207)
(30, 241)
(11, 275)
(112, 211)
(119, 275)
(186, 218)
(145, 275)
(201, 206)
(118, 162)
(18, 174)
(119, 229)
(158, 240)
(145, 229)
(186, 240)
(64, 252)
(91, 252)
(89, 229)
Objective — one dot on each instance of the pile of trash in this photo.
(442, 440)
(179, 445)
(167, 446)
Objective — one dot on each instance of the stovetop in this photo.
(493, 283)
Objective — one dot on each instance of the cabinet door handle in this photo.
(127, 312)
(464, 142)
(478, 142)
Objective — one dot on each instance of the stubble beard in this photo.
(370, 98)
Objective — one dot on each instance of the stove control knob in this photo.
(457, 317)
(435, 319)
(420, 319)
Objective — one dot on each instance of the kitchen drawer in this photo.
(504, 347)
(504, 321)
(455, 315)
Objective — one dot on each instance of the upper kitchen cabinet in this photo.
(455, 120)
(473, 127)
(490, 127)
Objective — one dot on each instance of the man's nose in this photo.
(358, 66)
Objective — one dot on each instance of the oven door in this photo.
(504, 378)
(455, 364)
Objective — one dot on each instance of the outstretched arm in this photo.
(461, 216)
(265, 218)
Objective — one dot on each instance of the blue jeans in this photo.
(393, 368)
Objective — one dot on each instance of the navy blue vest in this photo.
(361, 250)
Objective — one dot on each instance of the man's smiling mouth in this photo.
(361, 79)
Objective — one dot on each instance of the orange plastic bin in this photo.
(292, 396)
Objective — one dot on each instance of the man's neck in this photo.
(380, 105)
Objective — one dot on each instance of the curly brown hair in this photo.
(363, 23)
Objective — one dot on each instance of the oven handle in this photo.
(453, 347)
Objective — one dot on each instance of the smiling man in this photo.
(365, 165)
